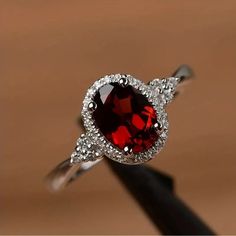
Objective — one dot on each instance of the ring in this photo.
(124, 120)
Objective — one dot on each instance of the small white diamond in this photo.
(86, 150)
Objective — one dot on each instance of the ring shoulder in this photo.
(85, 150)
(164, 89)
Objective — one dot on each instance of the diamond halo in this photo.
(158, 92)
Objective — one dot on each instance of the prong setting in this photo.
(92, 106)
(158, 127)
(123, 81)
(128, 151)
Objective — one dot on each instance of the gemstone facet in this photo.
(125, 117)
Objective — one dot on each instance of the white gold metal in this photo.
(67, 172)
(92, 146)
(123, 81)
(92, 106)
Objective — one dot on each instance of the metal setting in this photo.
(92, 145)
(92, 106)
(157, 101)
(128, 152)
(123, 81)
(158, 127)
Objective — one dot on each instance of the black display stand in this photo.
(154, 191)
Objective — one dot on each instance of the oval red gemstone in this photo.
(125, 117)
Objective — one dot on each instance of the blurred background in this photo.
(52, 51)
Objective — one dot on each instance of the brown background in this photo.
(51, 51)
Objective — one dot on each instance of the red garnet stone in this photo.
(125, 117)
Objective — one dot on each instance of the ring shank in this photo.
(184, 72)
(66, 172)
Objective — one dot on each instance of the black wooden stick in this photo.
(154, 192)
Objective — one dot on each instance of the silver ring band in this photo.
(67, 171)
